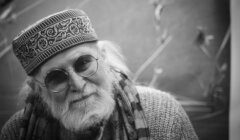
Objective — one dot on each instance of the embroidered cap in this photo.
(51, 35)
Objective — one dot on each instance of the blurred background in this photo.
(179, 46)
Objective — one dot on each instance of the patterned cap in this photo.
(51, 35)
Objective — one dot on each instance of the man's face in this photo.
(83, 99)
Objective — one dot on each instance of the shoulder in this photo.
(156, 99)
(11, 129)
(165, 116)
(157, 102)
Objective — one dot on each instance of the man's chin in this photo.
(78, 121)
(87, 115)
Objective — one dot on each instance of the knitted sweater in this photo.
(166, 118)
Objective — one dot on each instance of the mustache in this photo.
(81, 99)
(81, 95)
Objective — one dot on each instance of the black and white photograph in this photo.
(119, 70)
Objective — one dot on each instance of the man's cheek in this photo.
(99, 79)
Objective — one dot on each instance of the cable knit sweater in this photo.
(166, 118)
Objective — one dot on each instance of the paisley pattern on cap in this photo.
(50, 36)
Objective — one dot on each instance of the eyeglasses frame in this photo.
(61, 69)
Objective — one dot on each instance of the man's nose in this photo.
(76, 82)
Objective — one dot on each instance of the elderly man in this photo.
(78, 88)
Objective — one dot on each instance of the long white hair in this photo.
(113, 55)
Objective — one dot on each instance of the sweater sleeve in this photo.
(165, 116)
(11, 129)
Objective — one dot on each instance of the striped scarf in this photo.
(128, 118)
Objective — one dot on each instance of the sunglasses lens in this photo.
(85, 65)
(56, 80)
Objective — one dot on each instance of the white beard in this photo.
(86, 113)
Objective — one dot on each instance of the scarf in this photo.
(128, 119)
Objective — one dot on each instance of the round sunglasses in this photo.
(57, 80)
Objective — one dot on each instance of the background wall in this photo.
(235, 76)
(187, 71)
